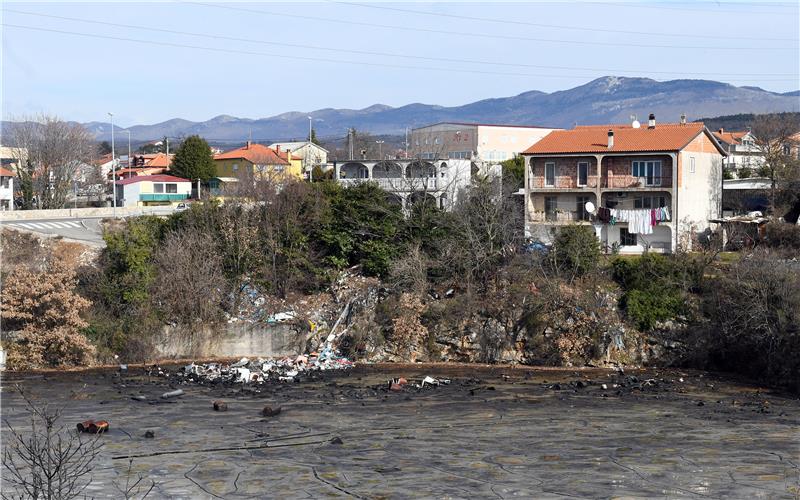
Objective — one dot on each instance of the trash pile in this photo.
(261, 370)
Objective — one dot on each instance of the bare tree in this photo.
(47, 461)
(773, 137)
(49, 151)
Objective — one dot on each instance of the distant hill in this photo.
(608, 99)
(737, 122)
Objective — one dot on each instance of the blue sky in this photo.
(272, 57)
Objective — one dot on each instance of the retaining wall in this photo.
(231, 340)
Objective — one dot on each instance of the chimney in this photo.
(610, 138)
(721, 130)
(288, 153)
(248, 144)
(651, 122)
(278, 148)
(683, 118)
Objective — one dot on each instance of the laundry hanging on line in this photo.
(640, 221)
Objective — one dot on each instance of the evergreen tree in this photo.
(194, 160)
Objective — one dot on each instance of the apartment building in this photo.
(482, 143)
(6, 189)
(654, 187)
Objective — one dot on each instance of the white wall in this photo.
(659, 241)
(8, 193)
(699, 195)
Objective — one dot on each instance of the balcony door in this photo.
(650, 171)
(549, 174)
(583, 173)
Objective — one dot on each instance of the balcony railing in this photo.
(563, 182)
(629, 181)
(398, 184)
(163, 196)
(563, 216)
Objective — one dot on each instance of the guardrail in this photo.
(77, 213)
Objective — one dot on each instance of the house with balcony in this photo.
(635, 168)
(743, 154)
(6, 189)
(150, 190)
(409, 180)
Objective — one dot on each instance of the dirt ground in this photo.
(493, 432)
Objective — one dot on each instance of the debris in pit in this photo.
(93, 427)
(269, 411)
(149, 434)
(337, 440)
(220, 405)
(172, 394)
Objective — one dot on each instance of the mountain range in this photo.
(608, 99)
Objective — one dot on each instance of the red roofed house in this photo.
(6, 189)
(256, 160)
(742, 152)
(631, 168)
(148, 190)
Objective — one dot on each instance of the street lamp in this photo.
(380, 149)
(129, 149)
(113, 168)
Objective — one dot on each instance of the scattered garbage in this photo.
(433, 381)
(149, 434)
(269, 411)
(220, 405)
(139, 398)
(172, 394)
(258, 371)
(93, 427)
(337, 440)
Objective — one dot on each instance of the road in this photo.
(82, 229)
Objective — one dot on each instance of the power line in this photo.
(483, 35)
(321, 59)
(558, 26)
(689, 9)
(385, 54)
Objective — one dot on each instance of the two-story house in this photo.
(743, 154)
(258, 161)
(636, 171)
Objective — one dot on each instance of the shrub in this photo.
(745, 173)
(576, 251)
(753, 313)
(45, 310)
(783, 235)
(656, 287)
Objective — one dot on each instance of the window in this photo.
(549, 174)
(363, 173)
(438, 140)
(4, 182)
(458, 155)
(158, 188)
(427, 156)
(649, 171)
(691, 164)
(235, 167)
(626, 239)
(550, 205)
(172, 188)
(581, 207)
(649, 202)
(583, 173)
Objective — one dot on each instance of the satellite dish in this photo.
(589, 207)
(636, 124)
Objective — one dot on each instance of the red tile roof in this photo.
(4, 172)
(158, 160)
(257, 154)
(152, 178)
(730, 137)
(594, 139)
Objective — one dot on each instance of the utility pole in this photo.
(380, 149)
(307, 155)
(406, 143)
(129, 149)
(351, 139)
(113, 168)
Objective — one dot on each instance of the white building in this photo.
(742, 152)
(484, 144)
(6, 189)
(409, 180)
(636, 169)
(312, 154)
(150, 190)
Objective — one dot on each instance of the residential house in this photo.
(484, 144)
(676, 166)
(6, 189)
(311, 155)
(743, 154)
(410, 180)
(149, 190)
(259, 161)
(10, 157)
